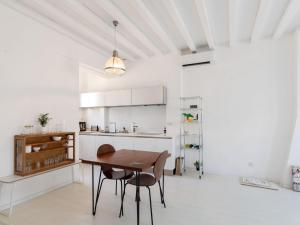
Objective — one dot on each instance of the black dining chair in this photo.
(147, 180)
(109, 173)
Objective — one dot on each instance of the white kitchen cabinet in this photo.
(118, 98)
(122, 143)
(149, 95)
(86, 146)
(100, 140)
(90, 143)
(92, 99)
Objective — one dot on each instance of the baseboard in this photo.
(35, 195)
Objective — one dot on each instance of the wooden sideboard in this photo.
(52, 153)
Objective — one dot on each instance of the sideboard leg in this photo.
(11, 205)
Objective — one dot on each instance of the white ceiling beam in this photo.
(116, 13)
(60, 18)
(56, 7)
(260, 19)
(100, 25)
(291, 10)
(172, 10)
(203, 14)
(150, 19)
(232, 19)
(37, 17)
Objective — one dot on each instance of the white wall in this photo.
(39, 73)
(294, 154)
(249, 107)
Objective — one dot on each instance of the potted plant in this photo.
(43, 120)
(197, 165)
(189, 117)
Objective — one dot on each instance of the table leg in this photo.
(137, 177)
(93, 196)
(164, 182)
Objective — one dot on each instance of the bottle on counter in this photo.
(165, 130)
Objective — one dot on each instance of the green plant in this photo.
(187, 115)
(44, 119)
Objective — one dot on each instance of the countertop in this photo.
(140, 135)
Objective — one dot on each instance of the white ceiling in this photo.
(156, 27)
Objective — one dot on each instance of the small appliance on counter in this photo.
(95, 128)
(112, 127)
(82, 126)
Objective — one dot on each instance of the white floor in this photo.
(214, 200)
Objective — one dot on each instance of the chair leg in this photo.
(116, 191)
(150, 205)
(121, 188)
(122, 200)
(162, 197)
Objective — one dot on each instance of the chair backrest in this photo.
(160, 165)
(102, 150)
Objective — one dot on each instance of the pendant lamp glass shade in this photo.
(115, 65)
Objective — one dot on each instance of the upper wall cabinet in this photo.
(149, 96)
(137, 96)
(92, 99)
(117, 98)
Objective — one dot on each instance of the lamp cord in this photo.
(115, 38)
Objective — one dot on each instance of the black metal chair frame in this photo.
(137, 198)
(100, 183)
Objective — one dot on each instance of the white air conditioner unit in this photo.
(201, 58)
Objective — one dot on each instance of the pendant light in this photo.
(115, 65)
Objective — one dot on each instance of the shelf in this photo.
(61, 151)
(191, 110)
(44, 135)
(46, 143)
(191, 133)
(188, 149)
(190, 123)
(35, 154)
(49, 167)
(190, 98)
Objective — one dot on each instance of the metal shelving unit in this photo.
(191, 131)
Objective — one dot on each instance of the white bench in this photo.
(12, 181)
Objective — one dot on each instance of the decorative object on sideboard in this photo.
(36, 148)
(56, 138)
(115, 64)
(43, 120)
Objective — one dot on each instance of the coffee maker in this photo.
(82, 126)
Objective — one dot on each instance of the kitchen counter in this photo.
(141, 135)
